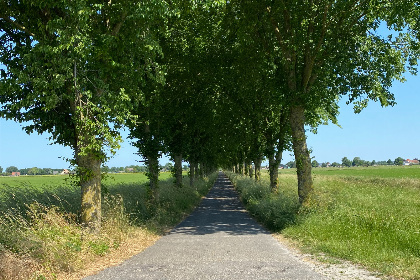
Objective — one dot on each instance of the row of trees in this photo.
(104, 169)
(213, 83)
(345, 162)
(30, 171)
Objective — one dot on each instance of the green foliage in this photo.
(11, 169)
(399, 161)
(276, 211)
(346, 162)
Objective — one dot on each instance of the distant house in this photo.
(129, 169)
(411, 162)
(15, 174)
(55, 172)
(65, 172)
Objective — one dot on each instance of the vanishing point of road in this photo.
(219, 240)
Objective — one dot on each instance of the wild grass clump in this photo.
(46, 241)
(372, 221)
(173, 203)
(274, 210)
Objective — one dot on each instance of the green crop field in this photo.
(372, 171)
(60, 190)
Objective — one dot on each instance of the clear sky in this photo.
(375, 134)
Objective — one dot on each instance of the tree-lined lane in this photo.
(218, 241)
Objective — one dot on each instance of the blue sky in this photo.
(375, 134)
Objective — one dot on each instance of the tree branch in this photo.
(17, 25)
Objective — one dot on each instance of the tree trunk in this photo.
(151, 153)
(274, 163)
(196, 170)
(192, 175)
(89, 168)
(178, 170)
(302, 157)
(247, 168)
(153, 173)
(258, 169)
(250, 172)
(241, 168)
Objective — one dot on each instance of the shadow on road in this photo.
(220, 211)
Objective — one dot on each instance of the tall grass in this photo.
(45, 233)
(373, 221)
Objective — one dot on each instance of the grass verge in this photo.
(367, 220)
(44, 240)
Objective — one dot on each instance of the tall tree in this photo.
(324, 49)
(70, 68)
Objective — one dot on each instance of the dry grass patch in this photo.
(138, 241)
(46, 242)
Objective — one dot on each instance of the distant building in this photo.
(65, 172)
(411, 162)
(15, 174)
(129, 169)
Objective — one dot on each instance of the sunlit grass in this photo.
(41, 227)
(370, 220)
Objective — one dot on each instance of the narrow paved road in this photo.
(218, 241)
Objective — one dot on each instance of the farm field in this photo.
(59, 190)
(370, 216)
(372, 171)
(59, 180)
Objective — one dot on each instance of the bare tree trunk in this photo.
(250, 172)
(192, 175)
(241, 168)
(274, 173)
(258, 169)
(246, 168)
(151, 154)
(89, 169)
(178, 170)
(302, 157)
(153, 173)
(274, 163)
(196, 170)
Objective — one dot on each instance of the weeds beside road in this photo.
(370, 220)
(40, 237)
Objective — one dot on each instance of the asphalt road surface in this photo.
(219, 240)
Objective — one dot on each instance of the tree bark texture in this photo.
(153, 173)
(250, 171)
(302, 157)
(258, 162)
(90, 183)
(247, 168)
(192, 173)
(274, 163)
(178, 170)
(151, 154)
(241, 168)
(196, 170)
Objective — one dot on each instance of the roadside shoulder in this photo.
(332, 268)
